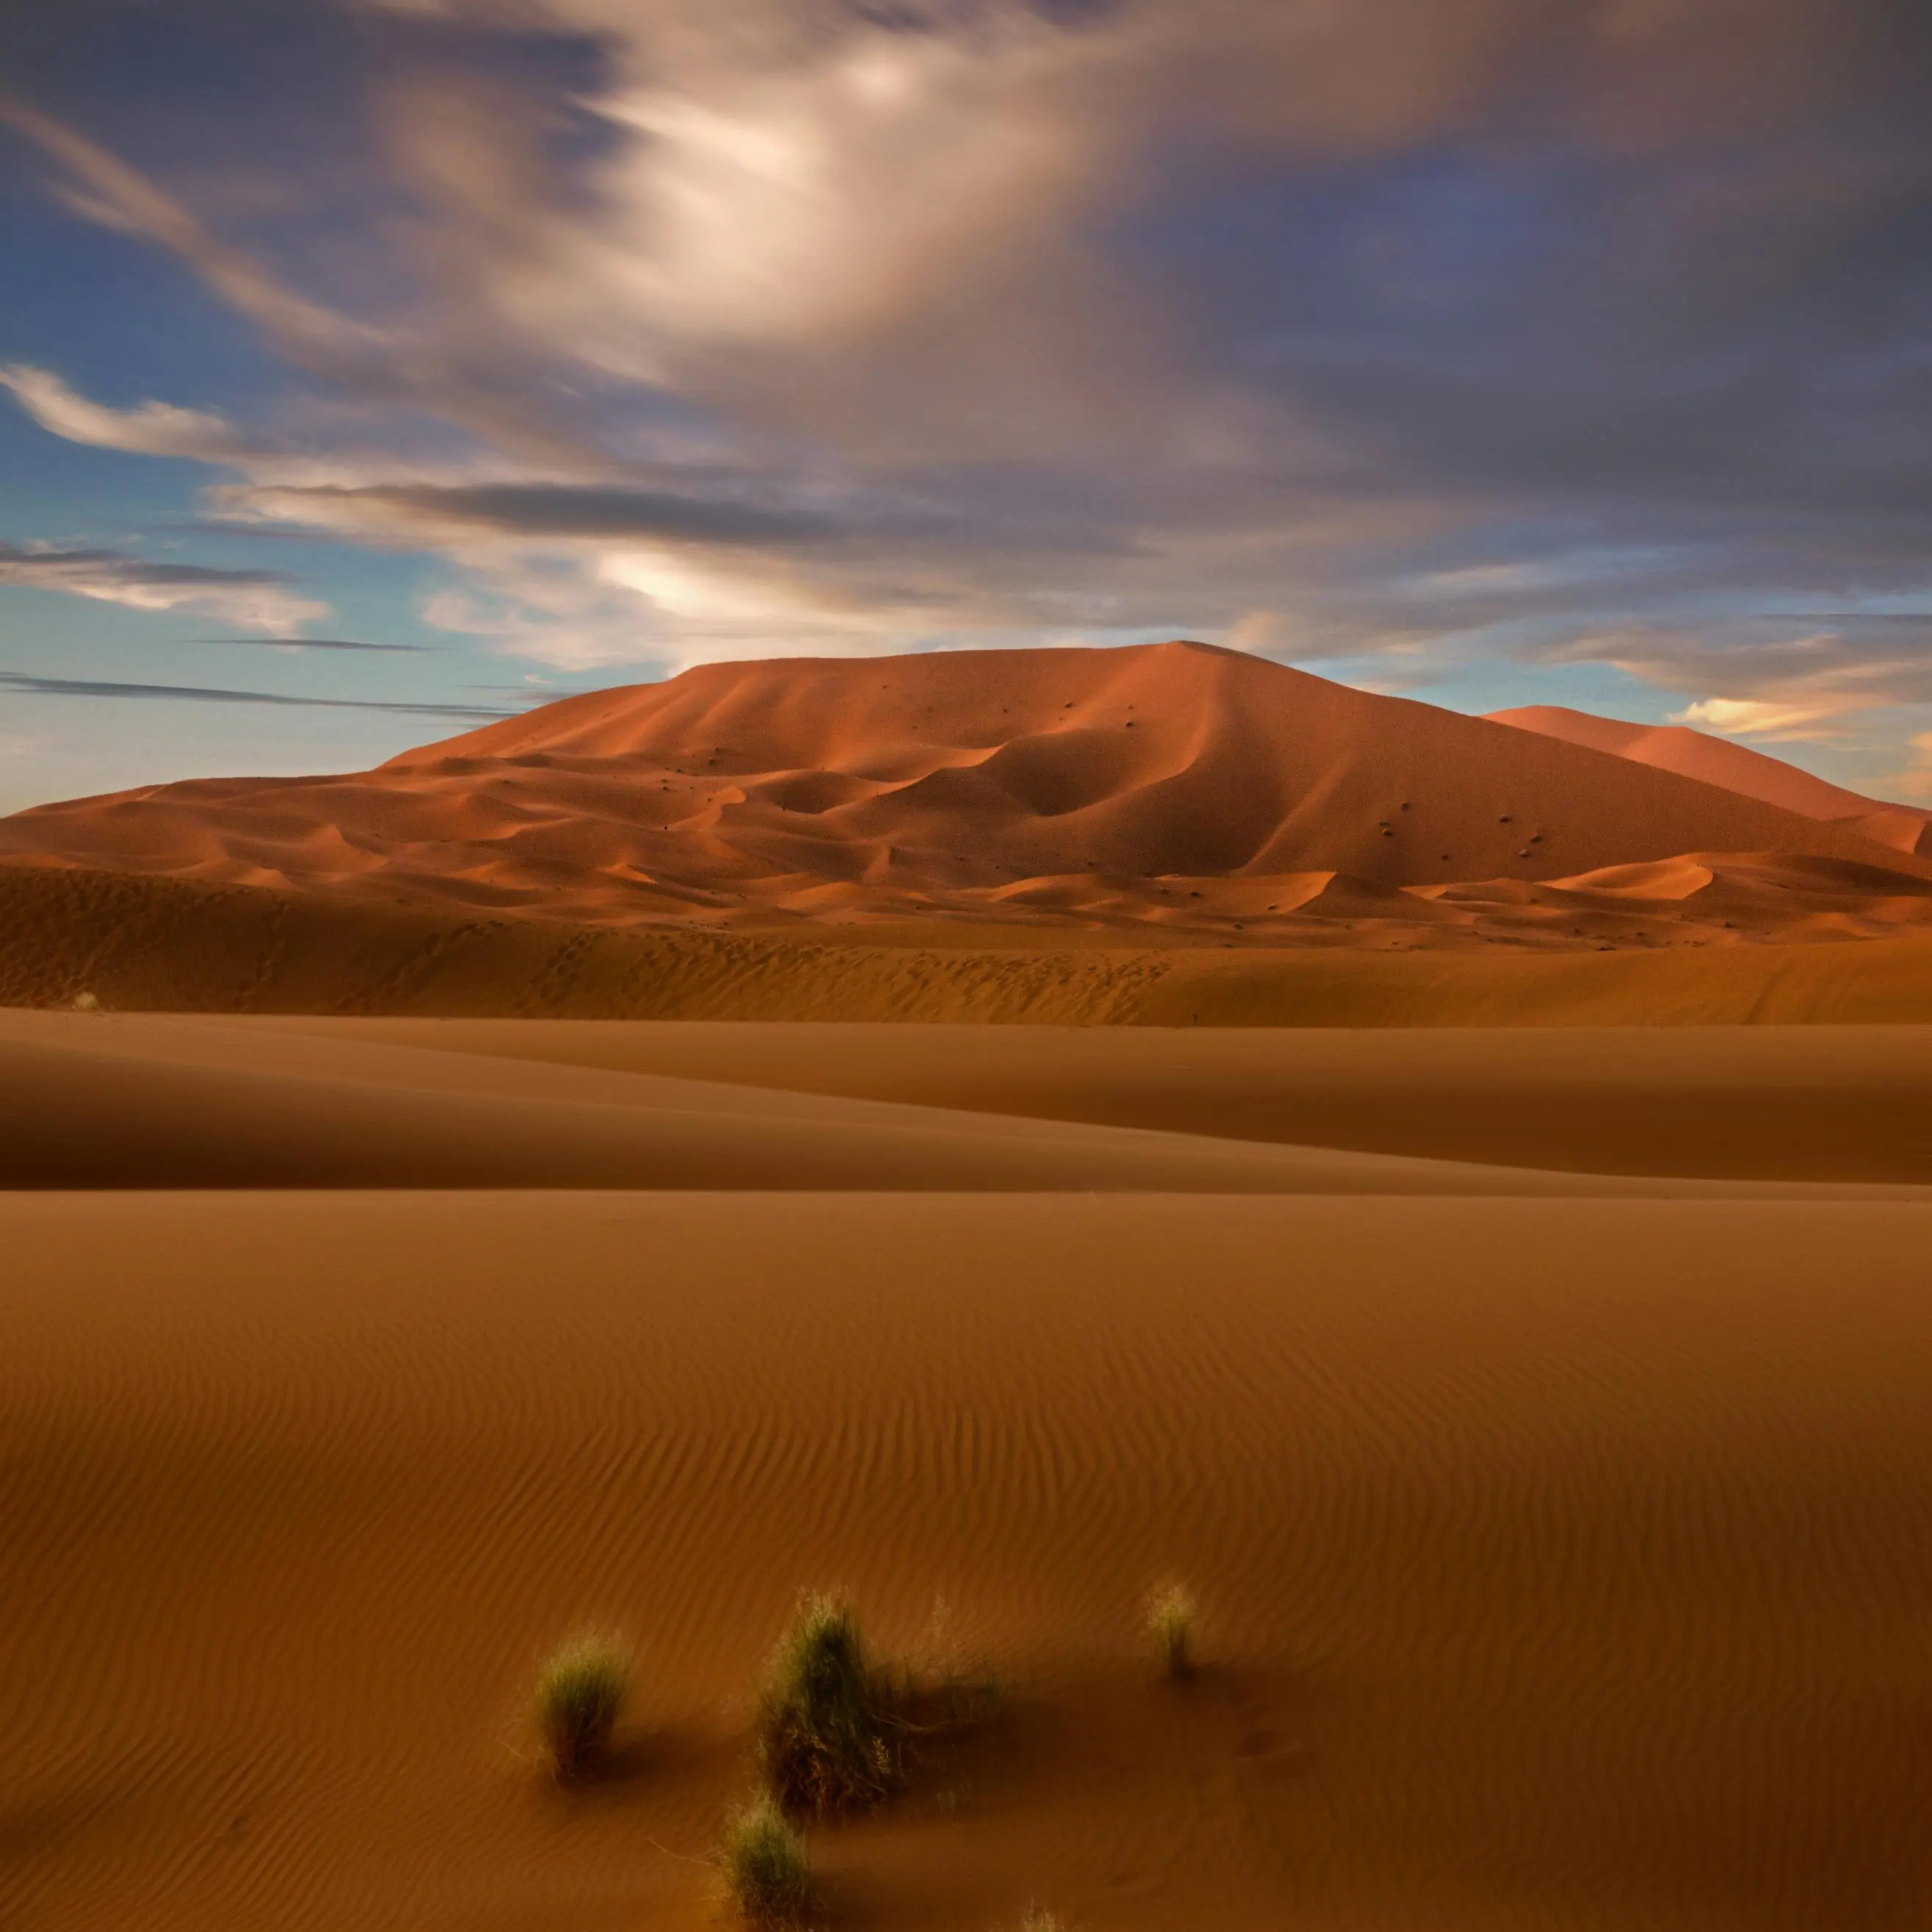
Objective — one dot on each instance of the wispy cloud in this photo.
(265, 600)
(153, 429)
(315, 644)
(101, 187)
(91, 687)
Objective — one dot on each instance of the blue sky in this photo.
(1491, 352)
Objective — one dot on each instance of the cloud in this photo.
(261, 600)
(89, 687)
(1786, 723)
(154, 429)
(1432, 332)
(533, 510)
(104, 189)
(314, 644)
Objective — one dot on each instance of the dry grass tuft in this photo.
(766, 1865)
(822, 1746)
(580, 1690)
(1171, 1619)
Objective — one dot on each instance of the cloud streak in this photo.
(265, 601)
(91, 687)
(316, 644)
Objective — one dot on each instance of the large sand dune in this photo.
(1167, 793)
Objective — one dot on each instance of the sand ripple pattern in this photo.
(1568, 1562)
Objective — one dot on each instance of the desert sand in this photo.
(1563, 1560)
(1538, 1417)
(571, 1177)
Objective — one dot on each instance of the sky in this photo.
(370, 368)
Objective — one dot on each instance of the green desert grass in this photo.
(822, 1718)
(766, 1865)
(580, 1690)
(1171, 1619)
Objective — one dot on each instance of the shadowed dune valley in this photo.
(1028, 1291)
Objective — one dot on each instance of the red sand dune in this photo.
(1172, 789)
(1696, 754)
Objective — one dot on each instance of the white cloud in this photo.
(1789, 721)
(153, 429)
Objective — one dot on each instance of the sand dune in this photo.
(129, 1101)
(1738, 768)
(1796, 1103)
(1563, 1561)
(1166, 792)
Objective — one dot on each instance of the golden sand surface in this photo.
(169, 945)
(1563, 1561)
(1538, 1417)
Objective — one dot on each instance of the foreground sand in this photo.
(1566, 1562)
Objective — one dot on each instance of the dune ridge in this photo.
(1738, 768)
(124, 1101)
(1164, 792)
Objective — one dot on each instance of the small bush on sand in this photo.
(821, 1742)
(1171, 1620)
(580, 1690)
(86, 1003)
(766, 1866)
(1037, 1918)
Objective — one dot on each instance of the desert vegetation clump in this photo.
(1171, 1619)
(580, 1690)
(822, 1720)
(766, 1865)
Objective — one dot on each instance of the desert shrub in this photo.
(86, 1003)
(1037, 1918)
(580, 1689)
(822, 1745)
(766, 1866)
(1171, 1620)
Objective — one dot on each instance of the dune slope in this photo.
(1722, 761)
(1798, 1103)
